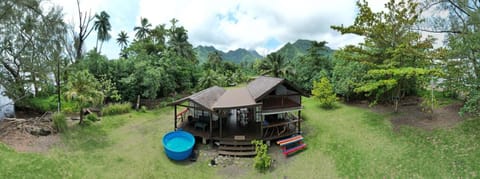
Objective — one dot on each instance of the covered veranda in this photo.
(218, 114)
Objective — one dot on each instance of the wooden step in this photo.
(237, 148)
(235, 142)
(237, 153)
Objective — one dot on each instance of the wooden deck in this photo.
(272, 131)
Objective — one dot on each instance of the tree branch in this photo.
(458, 7)
(439, 31)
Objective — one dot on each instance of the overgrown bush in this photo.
(262, 161)
(117, 108)
(429, 103)
(86, 123)
(92, 117)
(143, 109)
(323, 92)
(59, 122)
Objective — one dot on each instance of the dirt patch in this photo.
(29, 143)
(410, 114)
(29, 135)
(442, 118)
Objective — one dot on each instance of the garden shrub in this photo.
(143, 109)
(116, 108)
(92, 117)
(262, 160)
(323, 92)
(59, 122)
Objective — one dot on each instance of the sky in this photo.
(261, 25)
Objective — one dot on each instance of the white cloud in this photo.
(255, 21)
(229, 25)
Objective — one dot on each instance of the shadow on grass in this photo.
(328, 107)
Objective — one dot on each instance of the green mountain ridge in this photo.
(291, 51)
(299, 48)
(235, 56)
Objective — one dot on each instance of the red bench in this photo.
(297, 141)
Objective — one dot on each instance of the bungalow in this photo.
(267, 108)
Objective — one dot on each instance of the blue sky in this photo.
(264, 26)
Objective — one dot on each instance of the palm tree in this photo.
(214, 60)
(143, 30)
(208, 79)
(178, 41)
(122, 40)
(83, 88)
(102, 26)
(276, 65)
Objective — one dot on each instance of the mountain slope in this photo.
(235, 56)
(291, 51)
(299, 48)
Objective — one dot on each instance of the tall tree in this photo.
(460, 60)
(178, 41)
(122, 40)
(143, 30)
(31, 41)
(396, 55)
(84, 30)
(314, 65)
(84, 89)
(276, 65)
(214, 61)
(102, 26)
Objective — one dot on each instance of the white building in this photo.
(6, 106)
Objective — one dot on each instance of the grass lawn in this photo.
(345, 142)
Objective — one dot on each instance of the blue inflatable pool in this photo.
(178, 145)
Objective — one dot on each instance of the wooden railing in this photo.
(279, 129)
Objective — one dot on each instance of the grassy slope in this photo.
(345, 142)
(363, 144)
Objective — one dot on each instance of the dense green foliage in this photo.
(459, 58)
(92, 117)
(346, 76)
(315, 64)
(84, 89)
(116, 108)
(323, 92)
(49, 103)
(397, 61)
(262, 161)
(32, 44)
(59, 122)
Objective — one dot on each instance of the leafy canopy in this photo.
(396, 56)
(323, 92)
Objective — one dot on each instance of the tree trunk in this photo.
(81, 116)
(101, 45)
(57, 80)
(96, 46)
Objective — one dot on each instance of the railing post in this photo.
(175, 117)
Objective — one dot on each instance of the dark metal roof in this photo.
(206, 98)
(235, 98)
(262, 85)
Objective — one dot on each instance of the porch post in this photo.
(211, 123)
(220, 117)
(299, 119)
(261, 127)
(175, 117)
